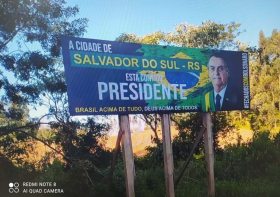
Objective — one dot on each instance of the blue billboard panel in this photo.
(106, 77)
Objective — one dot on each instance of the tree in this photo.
(33, 71)
(153, 38)
(28, 72)
(265, 83)
(209, 34)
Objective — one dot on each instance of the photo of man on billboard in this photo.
(224, 94)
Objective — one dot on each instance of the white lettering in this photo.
(140, 91)
(102, 88)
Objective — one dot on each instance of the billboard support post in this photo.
(209, 153)
(168, 155)
(127, 154)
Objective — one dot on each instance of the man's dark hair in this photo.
(219, 55)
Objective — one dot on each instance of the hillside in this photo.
(140, 140)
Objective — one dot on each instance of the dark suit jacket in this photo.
(232, 100)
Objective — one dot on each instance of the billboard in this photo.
(107, 77)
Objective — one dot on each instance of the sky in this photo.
(110, 18)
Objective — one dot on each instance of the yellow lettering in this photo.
(108, 109)
(86, 60)
(145, 63)
(153, 63)
(94, 61)
(126, 62)
(118, 61)
(190, 65)
(193, 66)
(169, 64)
(110, 61)
(102, 60)
(196, 66)
(134, 62)
(163, 64)
(175, 64)
(85, 109)
(77, 58)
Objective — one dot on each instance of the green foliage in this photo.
(249, 160)
(67, 179)
(36, 22)
(181, 146)
(194, 181)
(250, 188)
(12, 173)
(13, 142)
(208, 34)
(154, 157)
(250, 169)
(150, 182)
(153, 38)
(241, 170)
(265, 84)
(46, 134)
(189, 126)
(29, 74)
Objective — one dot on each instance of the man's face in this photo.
(218, 73)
